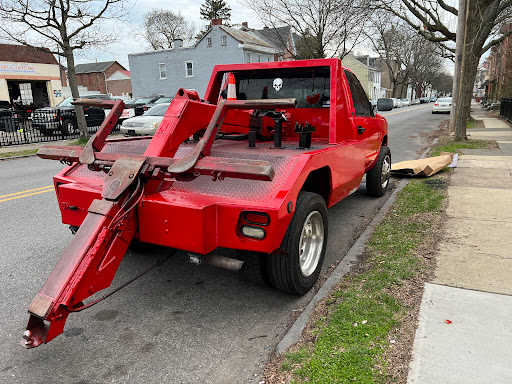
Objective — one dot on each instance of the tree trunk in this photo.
(459, 52)
(476, 30)
(80, 116)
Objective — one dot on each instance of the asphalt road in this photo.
(180, 323)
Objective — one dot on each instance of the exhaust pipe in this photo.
(217, 261)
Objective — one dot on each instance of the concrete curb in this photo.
(17, 157)
(345, 266)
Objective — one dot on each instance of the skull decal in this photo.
(278, 84)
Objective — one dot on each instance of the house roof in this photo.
(119, 75)
(23, 54)
(93, 67)
(277, 37)
(245, 37)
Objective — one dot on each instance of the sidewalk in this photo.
(464, 329)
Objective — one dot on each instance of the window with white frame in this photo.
(189, 69)
(248, 57)
(223, 41)
(208, 42)
(163, 71)
(259, 58)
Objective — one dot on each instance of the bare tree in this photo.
(443, 83)
(327, 28)
(61, 27)
(409, 58)
(162, 27)
(433, 19)
(392, 41)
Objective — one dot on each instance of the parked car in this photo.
(139, 104)
(397, 103)
(6, 117)
(415, 101)
(384, 104)
(433, 99)
(442, 105)
(147, 124)
(424, 100)
(161, 100)
(406, 102)
(62, 118)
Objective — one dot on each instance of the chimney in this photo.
(177, 43)
(216, 21)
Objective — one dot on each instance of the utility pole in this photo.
(459, 53)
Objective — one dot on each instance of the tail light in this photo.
(436, 104)
(251, 224)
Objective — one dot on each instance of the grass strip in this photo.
(362, 312)
(473, 123)
(454, 146)
(19, 153)
(81, 141)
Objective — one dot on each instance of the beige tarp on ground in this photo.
(424, 167)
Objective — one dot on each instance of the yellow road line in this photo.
(26, 195)
(410, 109)
(28, 190)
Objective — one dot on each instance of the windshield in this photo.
(310, 86)
(143, 101)
(163, 100)
(445, 100)
(157, 110)
(66, 102)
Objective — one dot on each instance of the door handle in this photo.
(360, 129)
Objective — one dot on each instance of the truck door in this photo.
(364, 119)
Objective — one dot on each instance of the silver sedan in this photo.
(147, 124)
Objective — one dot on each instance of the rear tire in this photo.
(254, 269)
(377, 178)
(295, 269)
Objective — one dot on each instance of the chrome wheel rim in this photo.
(311, 243)
(386, 169)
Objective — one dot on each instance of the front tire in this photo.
(377, 178)
(69, 127)
(295, 269)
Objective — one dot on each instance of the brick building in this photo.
(95, 77)
(500, 68)
(120, 83)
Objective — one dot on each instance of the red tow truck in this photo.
(252, 167)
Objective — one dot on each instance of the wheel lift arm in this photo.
(90, 262)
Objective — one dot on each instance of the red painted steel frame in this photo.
(196, 222)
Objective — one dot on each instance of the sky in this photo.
(129, 42)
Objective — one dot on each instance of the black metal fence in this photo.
(26, 127)
(506, 108)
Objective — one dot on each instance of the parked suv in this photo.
(62, 118)
(6, 116)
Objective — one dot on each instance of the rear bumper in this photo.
(138, 131)
(190, 223)
(202, 226)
